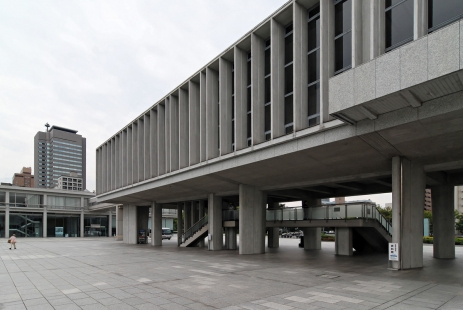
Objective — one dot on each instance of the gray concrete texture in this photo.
(99, 273)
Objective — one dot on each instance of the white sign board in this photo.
(394, 251)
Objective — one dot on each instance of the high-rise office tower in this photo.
(58, 152)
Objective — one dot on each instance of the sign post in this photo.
(393, 251)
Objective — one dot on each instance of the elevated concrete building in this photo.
(322, 99)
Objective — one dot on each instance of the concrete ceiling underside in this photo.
(354, 166)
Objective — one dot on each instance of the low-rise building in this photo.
(25, 178)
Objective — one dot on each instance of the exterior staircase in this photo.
(195, 233)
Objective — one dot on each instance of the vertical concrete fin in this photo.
(153, 143)
(184, 128)
(194, 123)
(174, 133)
(277, 79)
(300, 79)
(226, 112)
(257, 89)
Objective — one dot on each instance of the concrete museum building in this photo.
(322, 99)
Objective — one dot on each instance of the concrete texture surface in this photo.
(99, 273)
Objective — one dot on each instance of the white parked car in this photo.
(166, 233)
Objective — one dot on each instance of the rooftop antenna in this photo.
(47, 125)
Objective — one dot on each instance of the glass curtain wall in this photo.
(26, 225)
(443, 12)
(267, 88)
(95, 226)
(249, 94)
(313, 63)
(63, 225)
(342, 35)
(399, 23)
(62, 201)
(25, 200)
(289, 125)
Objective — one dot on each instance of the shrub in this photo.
(327, 238)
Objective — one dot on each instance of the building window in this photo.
(249, 100)
(399, 23)
(289, 125)
(443, 12)
(267, 90)
(313, 63)
(342, 35)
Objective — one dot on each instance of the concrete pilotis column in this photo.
(156, 224)
(130, 224)
(44, 220)
(201, 213)
(230, 238)
(82, 227)
(187, 216)
(408, 188)
(7, 215)
(273, 232)
(179, 223)
(443, 219)
(343, 242)
(420, 19)
(312, 238)
(110, 224)
(215, 222)
(252, 220)
(119, 223)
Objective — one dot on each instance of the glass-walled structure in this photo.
(26, 224)
(63, 225)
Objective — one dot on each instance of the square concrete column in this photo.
(153, 151)
(326, 55)
(443, 218)
(147, 146)
(7, 215)
(226, 105)
(300, 35)
(258, 89)
(343, 243)
(420, 18)
(241, 71)
(277, 79)
(252, 220)
(174, 133)
(179, 223)
(187, 216)
(119, 223)
(141, 150)
(161, 148)
(129, 155)
(273, 232)
(201, 214)
(184, 128)
(215, 222)
(212, 113)
(110, 224)
(167, 134)
(408, 189)
(156, 224)
(44, 219)
(194, 122)
(82, 227)
(230, 238)
(202, 117)
(312, 238)
(130, 234)
(124, 158)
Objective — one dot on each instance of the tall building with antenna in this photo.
(58, 152)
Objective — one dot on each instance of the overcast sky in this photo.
(94, 66)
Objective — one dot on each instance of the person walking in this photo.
(12, 241)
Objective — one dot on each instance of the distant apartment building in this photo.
(459, 198)
(24, 178)
(58, 152)
(72, 182)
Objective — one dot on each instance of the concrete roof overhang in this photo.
(331, 160)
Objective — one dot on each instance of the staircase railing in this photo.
(346, 211)
(194, 228)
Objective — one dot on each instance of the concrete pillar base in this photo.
(230, 238)
(273, 237)
(215, 223)
(443, 218)
(312, 238)
(343, 243)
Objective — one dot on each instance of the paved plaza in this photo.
(100, 273)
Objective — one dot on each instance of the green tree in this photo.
(459, 222)
(386, 212)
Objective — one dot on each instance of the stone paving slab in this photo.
(100, 273)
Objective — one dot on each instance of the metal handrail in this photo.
(194, 228)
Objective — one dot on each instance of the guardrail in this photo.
(39, 206)
(195, 228)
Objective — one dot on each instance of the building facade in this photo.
(72, 182)
(322, 99)
(58, 152)
(24, 179)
